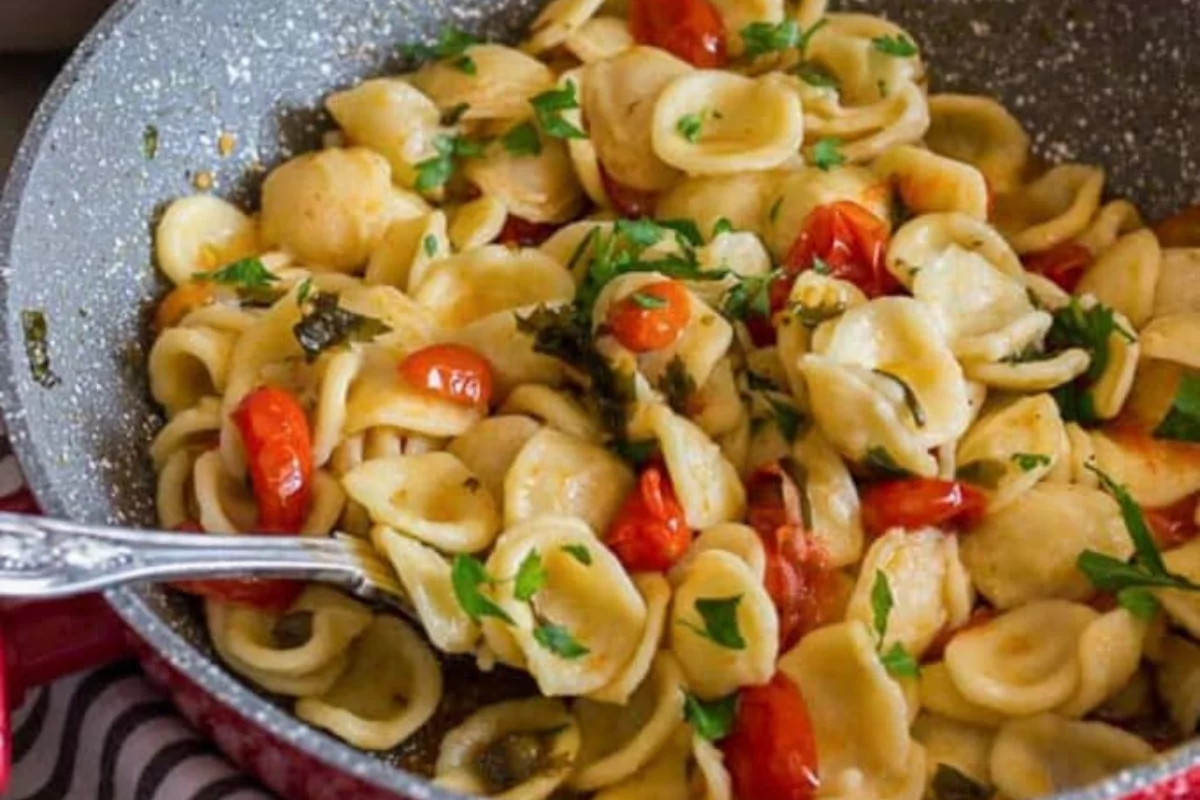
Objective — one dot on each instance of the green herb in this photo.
(882, 603)
(467, 575)
(689, 127)
(303, 292)
(723, 226)
(558, 640)
(430, 244)
(687, 232)
(882, 461)
(548, 107)
(451, 42)
(774, 213)
(642, 232)
(466, 64)
(820, 266)
(827, 154)
(325, 325)
(910, 397)
(761, 38)
(812, 316)
(636, 453)
(454, 114)
(523, 140)
(531, 577)
(816, 76)
(713, 720)
(249, 273)
(647, 301)
(898, 46)
(150, 142)
(1028, 462)
(750, 296)
(677, 384)
(950, 784)
(720, 624)
(900, 663)
(986, 472)
(435, 172)
(37, 347)
(579, 552)
(787, 418)
(1089, 329)
(1139, 602)
(1182, 422)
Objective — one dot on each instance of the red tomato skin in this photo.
(452, 372)
(850, 240)
(771, 753)
(1064, 264)
(269, 595)
(1174, 525)
(920, 502)
(278, 446)
(692, 30)
(651, 532)
(630, 202)
(518, 232)
(644, 330)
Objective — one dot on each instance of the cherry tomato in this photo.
(1174, 525)
(518, 232)
(919, 502)
(1181, 230)
(689, 29)
(181, 301)
(771, 754)
(1063, 264)
(271, 595)
(652, 317)
(651, 532)
(850, 241)
(632, 203)
(278, 446)
(452, 372)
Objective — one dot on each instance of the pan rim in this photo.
(207, 673)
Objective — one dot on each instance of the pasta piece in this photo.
(1113, 221)
(965, 747)
(664, 778)
(1014, 446)
(933, 237)
(573, 246)
(596, 604)
(1174, 338)
(800, 193)
(719, 107)
(431, 497)
(378, 398)
(201, 233)
(196, 426)
(1114, 384)
(412, 326)
(1027, 551)
(554, 408)
(1178, 290)
(1125, 277)
(425, 575)
(1044, 755)
(980, 132)
(619, 96)
(737, 14)
(1054, 209)
(489, 448)
(470, 286)
(844, 46)
(477, 223)
(617, 741)
(187, 365)
(600, 38)
(392, 118)
(328, 502)
(340, 371)
(1110, 650)
(656, 592)
(407, 250)
(858, 713)
(930, 588)
(1158, 473)
(389, 691)
(331, 208)
(1011, 666)
(1031, 376)
(832, 497)
(499, 87)
(539, 188)
(720, 402)
(555, 474)
(728, 537)
(708, 487)
(744, 200)
(1178, 681)
(509, 350)
(930, 183)
(1183, 607)
(224, 504)
(939, 695)
(173, 495)
(558, 20)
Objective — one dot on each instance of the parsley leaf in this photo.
(910, 397)
(882, 603)
(467, 574)
(1182, 422)
(451, 42)
(816, 76)
(548, 107)
(774, 212)
(531, 577)
(898, 46)
(687, 232)
(643, 232)
(249, 273)
(1028, 462)
(900, 663)
(579, 552)
(647, 301)
(435, 172)
(325, 325)
(466, 64)
(690, 126)
(37, 348)
(950, 784)
(723, 225)
(430, 245)
(827, 154)
(761, 38)
(719, 616)
(523, 140)
(712, 720)
(750, 296)
(1089, 329)
(790, 421)
(559, 641)
(986, 472)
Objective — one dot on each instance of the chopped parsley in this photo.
(687, 232)
(827, 154)
(761, 38)
(548, 107)
(898, 46)
(466, 64)
(37, 348)
(816, 76)
(713, 720)
(523, 140)
(690, 126)
(435, 172)
(723, 225)
(677, 385)
(911, 400)
(303, 293)
(719, 622)
(898, 661)
(558, 640)
(325, 324)
(950, 784)
(531, 577)
(647, 301)
(1182, 422)
(467, 575)
(430, 245)
(1028, 462)
(986, 472)
(750, 296)
(452, 43)
(249, 273)
(579, 552)
(150, 142)
(1089, 329)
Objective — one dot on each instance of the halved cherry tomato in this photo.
(632, 203)
(771, 754)
(651, 532)
(1063, 264)
(689, 29)
(652, 317)
(452, 372)
(850, 241)
(1181, 230)
(920, 502)
(270, 595)
(523, 233)
(1174, 525)
(181, 301)
(278, 446)
(937, 649)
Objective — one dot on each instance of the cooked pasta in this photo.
(759, 406)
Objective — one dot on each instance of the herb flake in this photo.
(719, 622)
(559, 641)
(325, 325)
(1182, 422)
(713, 720)
(467, 575)
(548, 107)
(523, 140)
(37, 348)
(898, 46)
(531, 577)
(1028, 462)
(579, 552)
(827, 154)
(690, 127)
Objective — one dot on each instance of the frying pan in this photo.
(1100, 81)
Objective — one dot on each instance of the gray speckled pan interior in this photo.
(1102, 81)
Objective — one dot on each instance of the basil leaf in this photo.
(558, 640)
(523, 140)
(900, 663)
(710, 720)
(882, 603)
(910, 397)
(325, 325)
(950, 784)
(250, 273)
(531, 577)
(579, 552)
(898, 46)
(37, 348)
(690, 126)
(986, 472)
(827, 154)
(548, 107)
(1028, 462)
(1182, 423)
(467, 574)
(720, 623)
